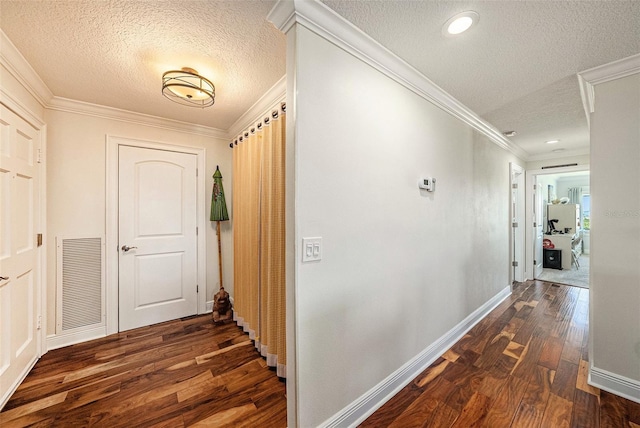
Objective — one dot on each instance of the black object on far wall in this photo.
(552, 259)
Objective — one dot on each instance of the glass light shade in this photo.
(460, 23)
(187, 87)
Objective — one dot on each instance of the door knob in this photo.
(126, 248)
(4, 278)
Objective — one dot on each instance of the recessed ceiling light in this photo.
(460, 23)
(509, 133)
(552, 141)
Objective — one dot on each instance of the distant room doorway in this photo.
(560, 239)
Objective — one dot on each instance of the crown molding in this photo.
(19, 67)
(612, 71)
(326, 23)
(14, 104)
(277, 93)
(95, 110)
(588, 79)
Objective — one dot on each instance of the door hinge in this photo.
(39, 156)
(514, 186)
(535, 224)
(39, 239)
(514, 264)
(196, 231)
(535, 262)
(514, 224)
(196, 172)
(534, 187)
(39, 325)
(197, 288)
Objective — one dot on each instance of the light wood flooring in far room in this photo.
(523, 365)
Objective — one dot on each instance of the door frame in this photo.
(517, 236)
(531, 176)
(111, 240)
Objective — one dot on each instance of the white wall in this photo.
(615, 214)
(76, 186)
(564, 184)
(400, 267)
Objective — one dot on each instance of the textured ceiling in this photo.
(516, 68)
(114, 52)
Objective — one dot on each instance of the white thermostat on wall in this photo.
(428, 184)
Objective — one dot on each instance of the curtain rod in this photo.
(265, 121)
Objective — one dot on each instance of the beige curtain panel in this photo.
(259, 236)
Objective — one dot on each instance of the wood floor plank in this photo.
(440, 389)
(558, 412)
(505, 406)
(417, 413)
(228, 417)
(392, 408)
(633, 410)
(443, 416)
(614, 412)
(433, 371)
(493, 350)
(474, 412)
(586, 410)
(33, 407)
(528, 361)
(572, 350)
(534, 401)
(551, 352)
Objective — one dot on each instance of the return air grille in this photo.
(81, 282)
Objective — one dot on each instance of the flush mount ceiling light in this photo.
(188, 88)
(552, 141)
(509, 133)
(460, 23)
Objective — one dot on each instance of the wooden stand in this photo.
(222, 310)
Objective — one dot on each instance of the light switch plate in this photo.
(311, 249)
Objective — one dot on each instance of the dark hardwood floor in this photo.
(524, 365)
(181, 373)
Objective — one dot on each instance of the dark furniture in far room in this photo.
(552, 258)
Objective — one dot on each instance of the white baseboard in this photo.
(615, 384)
(56, 341)
(363, 407)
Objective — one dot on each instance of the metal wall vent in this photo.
(80, 283)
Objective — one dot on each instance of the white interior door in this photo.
(157, 236)
(19, 214)
(538, 229)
